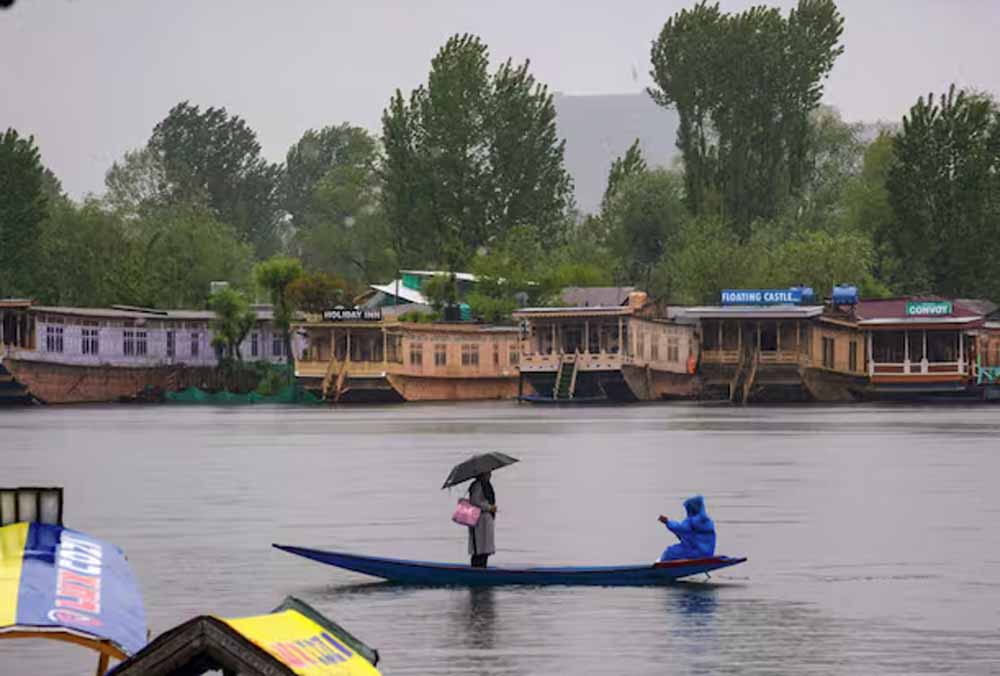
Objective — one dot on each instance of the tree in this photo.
(23, 204)
(213, 158)
(630, 164)
(313, 156)
(470, 156)
(339, 223)
(943, 188)
(180, 250)
(234, 319)
(317, 291)
(86, 258)
(136, 184)
(275, 275)
(744, 86)
(644, 220)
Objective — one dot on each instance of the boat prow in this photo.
(428, 573)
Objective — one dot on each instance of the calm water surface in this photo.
(872, 532)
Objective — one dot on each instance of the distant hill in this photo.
(600, 128)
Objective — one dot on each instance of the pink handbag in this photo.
(466, 514)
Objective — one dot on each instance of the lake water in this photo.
(872, 532)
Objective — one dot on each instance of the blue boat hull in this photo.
(426, 573)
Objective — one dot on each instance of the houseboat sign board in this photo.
(928, 308)
(762, 297)
(353, 314)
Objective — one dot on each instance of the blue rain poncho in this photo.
(696, 533)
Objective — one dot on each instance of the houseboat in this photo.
(360, 355)
(70, 355)
(779, 345)
(918, 347)
(620, 348)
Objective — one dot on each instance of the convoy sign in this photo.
(935, 308)
(762, 297)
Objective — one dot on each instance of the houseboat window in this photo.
(470, 355)
(942, 346)
(128, 342)
(195, 344)
(572, 338)
(277, 345)
(916, 345)
(828, 352)
(654, 347)
(888, 347)
(53, 339)
(496, 354)
(440, 354)
(768, 336)
(340, 345)
(395, 349)
(90, 344)
(787, 338)
(731, 335)
(623, 342)
(545, 340)
(594, 339)
(640, 344)
(416, 354)
(513, 354)
(171, 345)
(805, 339)
(140, 343)
(254, 344)
(710, 335)
(852, 356)
(674, 349)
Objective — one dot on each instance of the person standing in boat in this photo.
(481, 543)
(696, 533)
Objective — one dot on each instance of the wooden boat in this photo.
(452, 574)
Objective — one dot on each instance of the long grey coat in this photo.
(481, 537)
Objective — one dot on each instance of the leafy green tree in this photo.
(709, 258)
(275, 275)
(213, 158)
(136, 184)
(86, 258)
(317, 291)
(181, 250)
(23, 207)
(441, 291)
(313, 156)
(943, 186)
(744, 86)
(234, 319)
(470, 156)
(644, 220)
(624, 167)
(342, 229)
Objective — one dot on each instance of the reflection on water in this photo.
(871, 531)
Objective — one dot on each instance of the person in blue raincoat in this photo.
(696, 533)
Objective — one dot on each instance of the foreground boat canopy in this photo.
(60, 584)
(294, 639)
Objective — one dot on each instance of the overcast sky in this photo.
(90, 78)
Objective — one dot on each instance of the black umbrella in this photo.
(476, 465)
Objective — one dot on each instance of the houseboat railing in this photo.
(918, 368)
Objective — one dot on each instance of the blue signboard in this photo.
(762, 296)
(53, 578)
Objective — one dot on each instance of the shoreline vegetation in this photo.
(773, 189)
